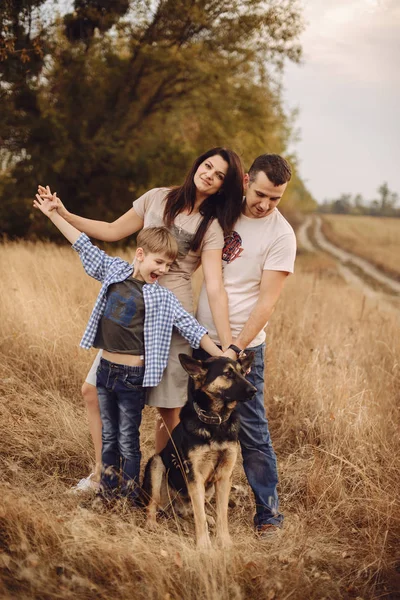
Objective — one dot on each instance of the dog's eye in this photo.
(230, 374)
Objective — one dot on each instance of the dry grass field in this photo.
(334, 409)
(375, 239)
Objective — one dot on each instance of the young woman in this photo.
(198, 213)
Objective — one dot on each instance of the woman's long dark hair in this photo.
(225, 206)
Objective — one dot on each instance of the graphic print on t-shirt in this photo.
(232, 247)
(121, 327)
(120, 309)
(184, 239)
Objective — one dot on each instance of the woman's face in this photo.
(210, 175)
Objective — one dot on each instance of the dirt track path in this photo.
(344, 257)
(302, 235)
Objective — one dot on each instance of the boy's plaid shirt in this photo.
(163, 311)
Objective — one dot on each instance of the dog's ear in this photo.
(194, 368)
(246, 361)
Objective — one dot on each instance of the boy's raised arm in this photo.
(68, 230)
(95, 261)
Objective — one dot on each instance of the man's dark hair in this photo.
(276, 168)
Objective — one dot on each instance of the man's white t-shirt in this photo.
(254, 246)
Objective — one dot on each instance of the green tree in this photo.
(359, 205)
(21, 61)
(387, 200)
(123, 104)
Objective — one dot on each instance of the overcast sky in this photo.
(348, 93)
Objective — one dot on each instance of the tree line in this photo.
(385, 205)
(114, 98)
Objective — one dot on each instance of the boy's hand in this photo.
(55, 202)
(46, 204)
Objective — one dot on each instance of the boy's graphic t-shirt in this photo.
(121, 326)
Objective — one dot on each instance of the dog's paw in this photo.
(203, 543)
(151, 524)
(225, 542)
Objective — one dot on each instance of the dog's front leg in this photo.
(223, 486)
(222, 489)
(197, 494)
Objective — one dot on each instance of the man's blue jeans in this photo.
(121, 401)
(259, 459)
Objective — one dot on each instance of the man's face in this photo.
(262, 196)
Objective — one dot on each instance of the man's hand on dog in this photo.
(230, 354)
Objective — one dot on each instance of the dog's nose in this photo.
(250, 392)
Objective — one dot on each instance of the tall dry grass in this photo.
(377, 239)
(333, 403)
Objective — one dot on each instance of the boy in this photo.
(132, 322)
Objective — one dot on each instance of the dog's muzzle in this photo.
(250, 393)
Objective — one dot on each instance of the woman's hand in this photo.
(55, 202)
(46, 204)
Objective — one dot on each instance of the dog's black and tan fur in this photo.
(203, 448)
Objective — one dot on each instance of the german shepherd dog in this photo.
(202, 450)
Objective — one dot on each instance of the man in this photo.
(257, 258)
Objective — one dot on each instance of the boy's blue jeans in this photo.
(121, 401)
(259, 459)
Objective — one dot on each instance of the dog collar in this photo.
(210, 419)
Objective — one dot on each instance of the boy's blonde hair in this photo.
(158, 240)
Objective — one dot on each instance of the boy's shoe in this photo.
(268, 531)
(87, 484)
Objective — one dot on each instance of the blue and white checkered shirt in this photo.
(163, 311)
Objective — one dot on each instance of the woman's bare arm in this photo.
(211, 261)
(128, 223)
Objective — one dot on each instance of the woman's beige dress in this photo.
(172, 390)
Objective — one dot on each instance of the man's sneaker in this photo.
(87, 484)
(268, 531)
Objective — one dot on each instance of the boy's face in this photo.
(149, 267)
